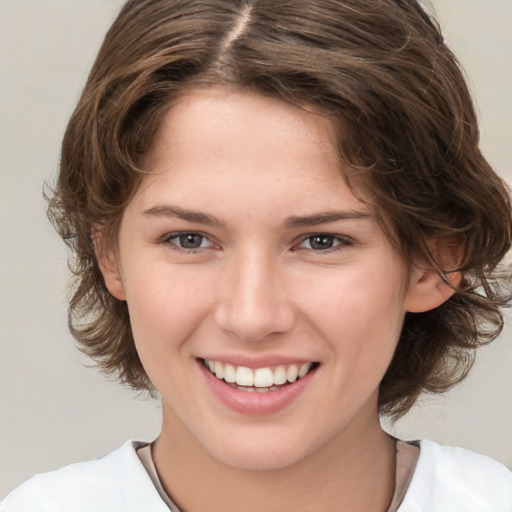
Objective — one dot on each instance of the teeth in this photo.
(279, 375)
(302, 370)
(261, 379)
(219, 370)
(249, 390)
(244, 376)
(292, 373)
(229, 373)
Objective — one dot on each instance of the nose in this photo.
(253, 303)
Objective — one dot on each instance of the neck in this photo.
(353, 472)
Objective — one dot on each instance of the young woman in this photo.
(282, 224)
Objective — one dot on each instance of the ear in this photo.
(428, 289)
(109, 265)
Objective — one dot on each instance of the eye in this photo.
(188, 241)
(322, 242)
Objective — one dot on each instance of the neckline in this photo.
(407, 455)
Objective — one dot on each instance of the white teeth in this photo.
(292, 373)
(304, 369)
(219, 370)
(279, 375)
(244, 376)
(261, 379)
(229, 373)
(249, 390)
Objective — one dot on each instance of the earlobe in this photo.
(109, 267)
(429, 289)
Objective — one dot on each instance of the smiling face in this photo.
(245, 255)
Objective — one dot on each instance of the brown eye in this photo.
(324, 242)
(321, 242)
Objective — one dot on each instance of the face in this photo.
(266, 302)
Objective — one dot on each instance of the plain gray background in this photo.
(53, 409)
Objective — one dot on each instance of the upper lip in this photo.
(257, 362)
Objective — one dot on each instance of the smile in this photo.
(256, 391)
(261, 380)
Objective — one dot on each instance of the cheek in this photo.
(166, 306)
(375, 318)
(376, 314)
(360, 314)
(356, 299)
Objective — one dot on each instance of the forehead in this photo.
(232, 121)
(210, 133)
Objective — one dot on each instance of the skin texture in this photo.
(255, 289)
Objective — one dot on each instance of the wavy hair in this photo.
(407, 127)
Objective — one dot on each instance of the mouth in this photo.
(259, 380)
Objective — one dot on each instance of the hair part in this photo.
(408, 130)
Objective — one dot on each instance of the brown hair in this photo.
(408, 129)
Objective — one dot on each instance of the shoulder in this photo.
(117, 482)
(449, 479)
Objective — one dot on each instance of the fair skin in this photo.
(244, 247)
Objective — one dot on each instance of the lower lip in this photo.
(255, 403)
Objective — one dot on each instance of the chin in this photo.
(259, 455)
(260, 460)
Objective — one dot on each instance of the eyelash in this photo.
(338, 242)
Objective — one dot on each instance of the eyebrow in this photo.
(184, 214)
(326, 217)
(291, 222)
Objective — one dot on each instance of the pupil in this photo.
(191, 241)
(321, 242)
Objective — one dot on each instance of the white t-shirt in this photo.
(445, 480)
